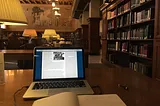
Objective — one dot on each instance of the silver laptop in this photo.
(58, 70)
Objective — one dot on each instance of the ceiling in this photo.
(78, 7)
(66, 2)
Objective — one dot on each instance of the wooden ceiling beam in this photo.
(22, 1)
(29, 2)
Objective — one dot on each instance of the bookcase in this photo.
(130, 34)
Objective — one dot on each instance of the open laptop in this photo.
(58, 70)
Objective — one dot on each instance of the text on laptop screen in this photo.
(58, 63)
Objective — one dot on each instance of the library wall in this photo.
(40, 17)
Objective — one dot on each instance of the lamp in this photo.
(11, 13)
(49, 33)
(29, 33)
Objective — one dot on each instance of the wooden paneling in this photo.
(156, 59)
(104, 36)
(85, 36)
(94, 38)
(157, 20)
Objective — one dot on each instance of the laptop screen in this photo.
(58, 63)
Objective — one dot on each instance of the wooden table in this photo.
(15, 79)
(10, 55)
(132, 87)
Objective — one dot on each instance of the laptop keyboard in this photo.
(58, 84)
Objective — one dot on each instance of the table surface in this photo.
(15, 79)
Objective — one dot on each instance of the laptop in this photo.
(57, 70)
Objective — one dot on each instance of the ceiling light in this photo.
(53, 4)
(56, 8)
(57, 14)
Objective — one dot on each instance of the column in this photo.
(84, 25)
(93, 25)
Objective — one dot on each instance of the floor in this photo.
(94, 59)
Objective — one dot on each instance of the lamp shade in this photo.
(11, 13)
(50, 32)
(29, 33)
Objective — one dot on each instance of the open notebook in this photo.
(71, 99)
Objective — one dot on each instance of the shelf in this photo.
(113, 4)
(113, 50)
(143, 22)
(117, 40)
(111, 18)
(127, 11)
(125, 26)
(143, 5)
(140, 40)
(132, 40)
(150, 59)
(111, 29)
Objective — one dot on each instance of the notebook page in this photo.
(61, 99)
(100, 100)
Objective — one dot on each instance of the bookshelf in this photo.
(129, 34)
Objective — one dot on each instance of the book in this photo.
(71, 99)
(141, 67)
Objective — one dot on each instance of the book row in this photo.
(143, 50)
(111, 14)
(142, 33)
(124, 8)
(142, 68)
(145, 32)
(123, 20)
(143, 15)
(135, 3)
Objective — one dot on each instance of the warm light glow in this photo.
(57, 14)
(29, 33)
(10, 73)
(56, 8)
(11, 13)
(49, 33)
(53, 4)
(3, 26)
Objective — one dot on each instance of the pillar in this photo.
(84, 25)
(93, 27)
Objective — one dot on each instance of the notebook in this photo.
(58, 70)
